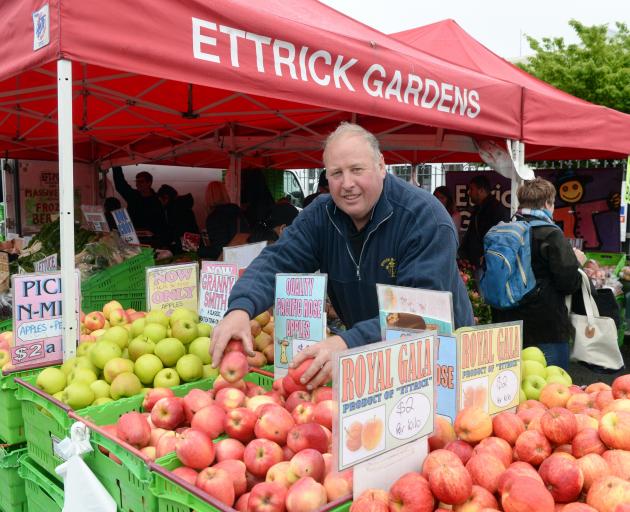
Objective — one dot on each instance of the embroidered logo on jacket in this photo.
(389, 264)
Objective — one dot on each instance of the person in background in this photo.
(372, 228)
(322, 188)
(180, 218)
(224, 220)
(282, 215)
(546, 322)
(446, 198)
(487, 212)
(144, 207)
(111, 204)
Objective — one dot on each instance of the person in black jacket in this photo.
(180, 217)
(487, 213)
(543, 311)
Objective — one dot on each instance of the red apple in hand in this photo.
(233, 366)
(411, 492)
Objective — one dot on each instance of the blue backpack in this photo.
(508, 274)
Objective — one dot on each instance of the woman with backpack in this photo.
(543, 311)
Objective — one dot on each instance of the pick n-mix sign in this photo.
(172, 287)
(385, 395)
(299, 316)
(37, 319)
(215, 284)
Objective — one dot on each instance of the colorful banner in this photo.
(299, 316)
(95, 218)
(215, 284)
(172, 287)
(125, 227)
(587, 202)
(37, 321)
(385, 395)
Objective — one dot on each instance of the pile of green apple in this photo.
(535, 374)
(127, 358)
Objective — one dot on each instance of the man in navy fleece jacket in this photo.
(372, 228)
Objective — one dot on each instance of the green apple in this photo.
(156, 317)
(78, 395)
(556, 370)
(125, 385)
(118, 335)
(521, 396)
(103, 351)
(184, 330)
(102, 400)
(100, 388)
(115, 367)
(139, 346)
(84, 348)
(201, 348)
(532, 368)
(146, 368)
(137, 326)
(155, 332)
(166, 378)
(532, 386)
(51, 380)
(58, 396)
(184, 314)
(533, 354)
(85, 362)
(557, 378)
(189, 367)
(204, 329)
(169, 350)
(69, 365)
(210, 372)
(82, 375)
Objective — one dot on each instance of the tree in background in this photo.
(596, 70)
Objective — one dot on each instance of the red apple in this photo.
(607, 493)
(168, 413)
(593, 466)
(304, 412)
(307, 462)
(411, 493)
(218, 484)
(153, 395)
(195, 400)
(339, 484)
(618, 462)
(437, 458)
(167, 444)
(287, 453)
(252, 480)
(94, 320)
(321, 394)
(234, 345)
(209, 420)
(260, 455)
(324, 412)
(473, 424)
(274, 424)
(526, 495)
(234, 366)
(603, 398)
(508, 426)
(443, 433)
(236, 470)
(149, 452)
(578, 402)
(220, 383)
(587, 441)
(485, 470)
(621, 386)
(156, 433)
(297, 397)
(479, 500)
(239, 424)
(496, 446)
(531, 415)
(450, 484)
(279, 473)
(133, 429)
(530, 404)
(254, 390)
(229, 449)
(296, 373)
(186, 473)
(559, 425)
(308, 435)
(614, 429)
(290, 386)
(562, 477)
(371, 500)
(517, 469)
(578, 507)
(242, 503)
(195, 449)
(533, 447)
(597, 386)
(585, 421)
(305, 495)
(267, 497)
(230, 398)
(460, 448)
(328, 460)
(555, 395)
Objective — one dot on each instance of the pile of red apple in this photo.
(277, 453)
(568, 452)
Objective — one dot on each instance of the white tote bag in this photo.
(595, 336)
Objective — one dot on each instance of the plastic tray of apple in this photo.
(535, 374)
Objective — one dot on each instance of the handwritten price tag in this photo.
(27, 353)
(409, 416)
(504, 388)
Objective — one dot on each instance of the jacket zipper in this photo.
(511, 232)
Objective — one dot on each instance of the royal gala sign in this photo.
(215, 284)
(479, 366)
(172, 287)
(299, 316)
(37, 321)
(385, 397)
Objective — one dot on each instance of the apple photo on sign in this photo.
(475, 393)
(363, 434)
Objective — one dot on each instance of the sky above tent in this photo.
(498, 24)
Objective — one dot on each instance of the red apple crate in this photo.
(174, 494)
(12, 495)
(42, 493)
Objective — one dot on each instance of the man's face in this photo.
(474, 193)
(143, 185)
(355, 178)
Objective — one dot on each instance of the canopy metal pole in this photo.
(66, 207)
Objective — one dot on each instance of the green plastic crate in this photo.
(12, 495)
(608, 259)
(95, 300)
(42, 493)
(11, 421)
(128, 275)
(6, 325)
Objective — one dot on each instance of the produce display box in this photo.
(95, 300)
(6, 325)
(12, 495)
(11, 420)
(42, 493)
(128, 275)
(608, 259)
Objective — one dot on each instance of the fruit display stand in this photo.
(12, 495)
(42, 493)
(11, 420)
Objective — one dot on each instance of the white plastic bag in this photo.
(82, 490)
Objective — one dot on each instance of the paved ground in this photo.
(582, 375)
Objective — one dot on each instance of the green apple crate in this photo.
(42, 493)
(12, 494)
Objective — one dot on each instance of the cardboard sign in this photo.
(191, 241)
(4, 271)
(37, 321)
(95, 217)
(385, 395)
(215, 284)
(408, 310)
(479, 366)
(172, 287)
(125, 227)
(299, 316)
(243, 255)
(47, 264)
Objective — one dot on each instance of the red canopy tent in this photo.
(556, 125)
